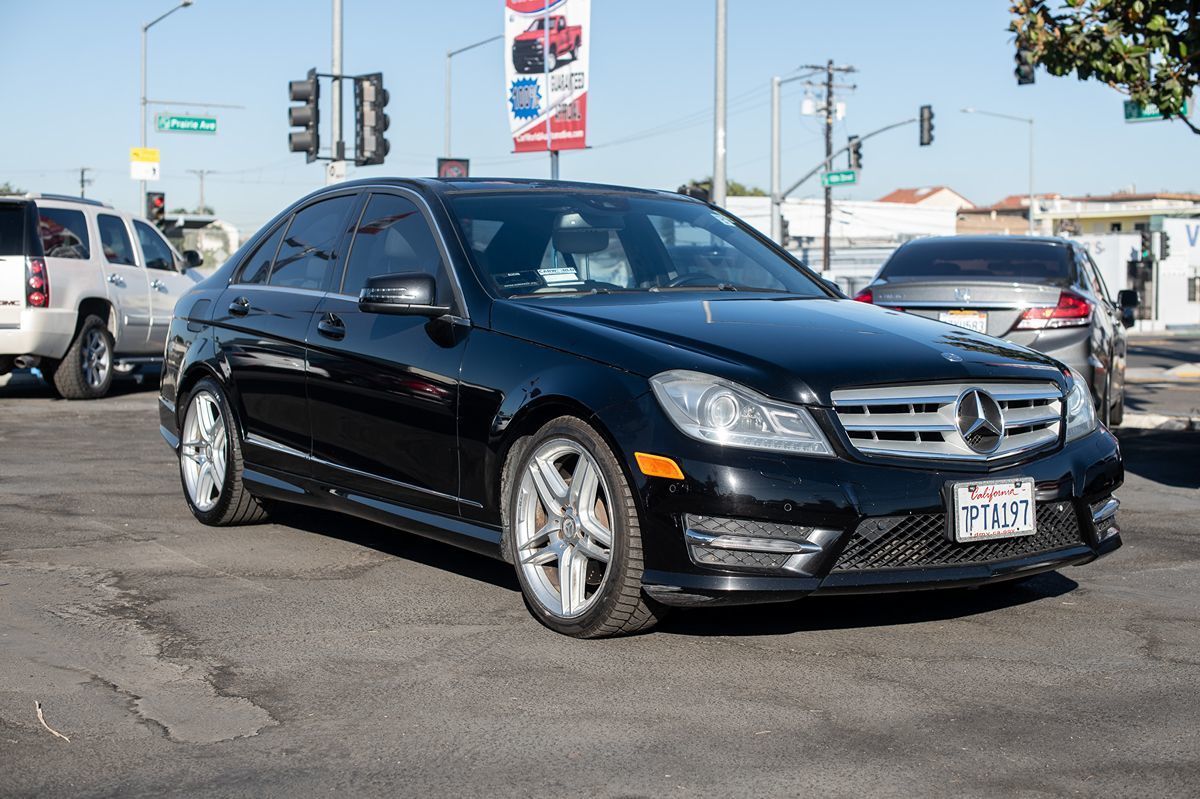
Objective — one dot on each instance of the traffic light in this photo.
(156, 208)
(926, 125)
(1024, 70)
(370, 98)
(1164, 246)
(1145, 252)
(306, 117)
(855, 153)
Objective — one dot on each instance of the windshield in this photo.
(1005, 260)
(540, 242)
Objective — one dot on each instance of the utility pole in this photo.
(200, 173)
(717, 195)
(83, 181)
(337, 167)
(829, 68)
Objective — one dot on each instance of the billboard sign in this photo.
(546, 45)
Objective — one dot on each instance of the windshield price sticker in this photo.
(996, 509)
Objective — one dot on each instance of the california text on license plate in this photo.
(993, 509)
(971, 320)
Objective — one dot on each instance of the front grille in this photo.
(920, 421)
(905, 542)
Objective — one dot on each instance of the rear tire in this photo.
(210, 460)
(569, 513)
(1117, 414)
(86, 369)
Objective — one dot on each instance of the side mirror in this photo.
(834, 287)
(406, 293)
(192, 259)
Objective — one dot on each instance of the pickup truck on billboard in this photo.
(563, 40)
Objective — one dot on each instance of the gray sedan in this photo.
(1043, 293)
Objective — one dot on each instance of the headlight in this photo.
(720, 412)
(1081, 416)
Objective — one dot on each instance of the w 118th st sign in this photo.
(843, 177)
(174, 123)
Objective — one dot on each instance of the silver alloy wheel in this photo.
(563, 528)
(95, 357)
(202, 451)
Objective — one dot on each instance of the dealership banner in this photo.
(545, 70)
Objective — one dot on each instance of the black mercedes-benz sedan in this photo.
(630, 395)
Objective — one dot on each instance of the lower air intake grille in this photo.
(900, 542)
(738, 558)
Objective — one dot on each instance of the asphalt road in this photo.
(325, 655)
(1167, 397)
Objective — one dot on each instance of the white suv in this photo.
(84, 290)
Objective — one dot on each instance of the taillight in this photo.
(37, 283)
(865, 296)
(1071, 311)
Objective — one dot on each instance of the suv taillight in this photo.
(1071, 311)
(37, 283)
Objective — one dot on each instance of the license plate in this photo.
(991, 509)
(971, 320)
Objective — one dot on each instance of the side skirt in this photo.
(270, 484)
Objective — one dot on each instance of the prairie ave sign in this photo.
(843, 177)
(174, 123)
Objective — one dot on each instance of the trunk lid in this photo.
(1002, 302)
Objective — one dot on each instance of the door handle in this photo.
(331, 326)
(158, 284)
(240, 306)
(115, 279)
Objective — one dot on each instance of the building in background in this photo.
(1009, 217)
(1122, 212)
(213, 238)
(928, 197)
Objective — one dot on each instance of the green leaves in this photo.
(1142, 47)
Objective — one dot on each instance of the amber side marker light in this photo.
(658, 466)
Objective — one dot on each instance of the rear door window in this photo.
(307, 254)
(258, 266)
(156, 252)
(114, 238)
(12, 229)
(64, 233)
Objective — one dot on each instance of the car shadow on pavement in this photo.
(866, 610)
(1169, 457)
(397, 543)
(24, 385)
(1165, 356)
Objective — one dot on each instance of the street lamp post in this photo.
(776, 160)
(1028, 121)
(145, 28)
(449, 55)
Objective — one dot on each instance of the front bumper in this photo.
(878, 525)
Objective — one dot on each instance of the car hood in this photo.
(794, 349)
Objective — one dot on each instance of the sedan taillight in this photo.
(865, 296)
(37, 283)
(1071, 311)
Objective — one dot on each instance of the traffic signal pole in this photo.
(336, 170)
(776, 154)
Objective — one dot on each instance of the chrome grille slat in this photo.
(918, 421)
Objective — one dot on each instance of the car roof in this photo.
(982, 239)
(459, 186)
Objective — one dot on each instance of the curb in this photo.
(1158, 421)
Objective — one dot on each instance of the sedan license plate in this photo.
(983, 511)
(971, 320)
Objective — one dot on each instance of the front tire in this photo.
(86, 370)
(571, 527)
(210, 460)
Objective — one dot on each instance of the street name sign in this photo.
(179, 123)
(1136, 112)
(842, 177)
(144, 163)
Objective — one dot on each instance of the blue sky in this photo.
(75, 102)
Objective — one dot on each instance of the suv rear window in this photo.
(12, 229)
(1035, 261)
(64, 233)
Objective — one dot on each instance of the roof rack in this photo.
(33, 195)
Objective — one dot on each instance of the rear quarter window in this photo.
(64, 233)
